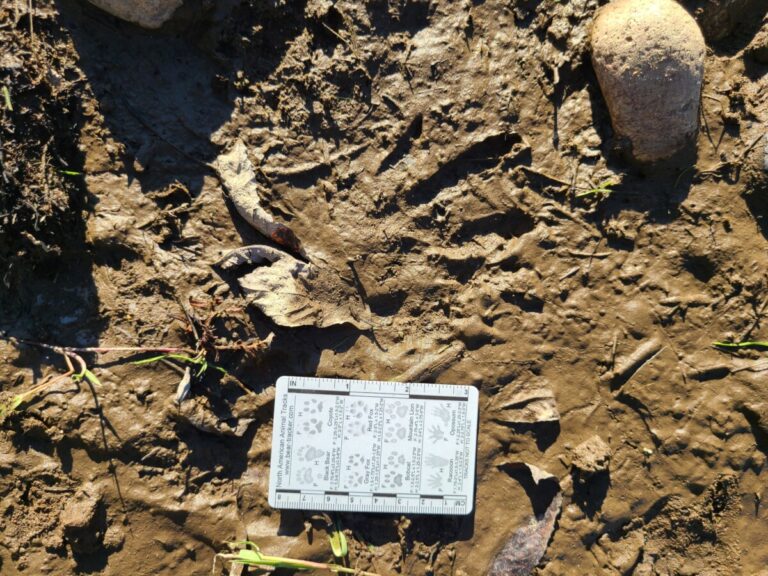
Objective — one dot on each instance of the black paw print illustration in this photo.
(354, 480)
(443, 412)
(355, 428)
(305, 476)
(395, 433)
(435, 481)
(312, 426)
(355, 460)
(392, 478)
(395, 460)
(398, 409)
(358, 410)
(310, 453)
(312, 406)
(436, 434)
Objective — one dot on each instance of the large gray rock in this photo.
(145, 13)
(649, 60)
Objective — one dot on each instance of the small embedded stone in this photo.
(649, 59)
(592, 456)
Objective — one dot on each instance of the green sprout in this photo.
(7, 98)
(737, 345)
(9, 406)
(338, 541)
(603, 189)
(70, 173)
(202, 364)
(248, 554)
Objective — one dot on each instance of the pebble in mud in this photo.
(145, 13)
(649, 59)
(591, 456)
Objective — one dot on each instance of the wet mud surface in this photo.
(429, 155)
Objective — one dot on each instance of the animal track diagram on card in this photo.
(366, 446)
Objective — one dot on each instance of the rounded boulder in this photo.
(145, 13)
(649, 59)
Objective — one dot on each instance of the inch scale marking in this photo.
(369, 446)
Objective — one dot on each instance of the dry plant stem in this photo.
(308, 564)
(72, 351)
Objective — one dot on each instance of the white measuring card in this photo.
(365, 446)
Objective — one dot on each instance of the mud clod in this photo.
(83, 521)
(592, 456)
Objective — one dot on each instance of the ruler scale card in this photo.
(367, 446)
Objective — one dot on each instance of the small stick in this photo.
(545, 175)
(433, 364)
(31, 25)
(639, 358)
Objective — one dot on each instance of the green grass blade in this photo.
(9, 407)
(747, 344)
(149, 360)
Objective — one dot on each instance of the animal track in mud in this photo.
(403, 144)
(526, 302)
(476, 157)
(508, 225)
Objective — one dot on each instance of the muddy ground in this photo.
(429, 154)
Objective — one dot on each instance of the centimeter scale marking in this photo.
(369, 446)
